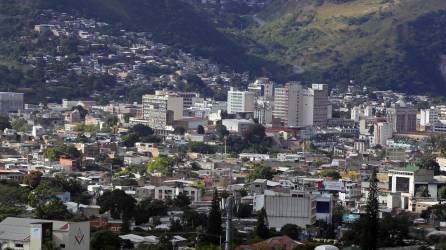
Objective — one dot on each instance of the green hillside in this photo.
(392, 44)
(172, 22)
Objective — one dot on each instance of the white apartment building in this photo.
(160, 109)
(428, 116)
(240, 101)
(293, 105)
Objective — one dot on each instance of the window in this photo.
(62, 245)
(18, 245)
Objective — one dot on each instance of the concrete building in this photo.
(428, 116)
(237, 125)
(355, 113)
(161, 109)
(33, 234)
(321, 109)
(240, 101)
(263, 111)
(293, 105)
(188, 99)
(299, 209)
(403, 117)
(10, 102)
(382, 132)
(263, 87)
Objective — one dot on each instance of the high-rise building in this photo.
(321, 110)
(263, 87)
(382, 131)
(10, 102)
(355, 113)
(428, 116)
(188, 98)
(403, 117)
(293, 105)
(263, 111)
(161, 109)
(240, 101)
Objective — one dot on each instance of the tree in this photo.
(130, 139)
(429, 162)
(214, 220)
(200, 147)
(179, 130)
(120, 205)
(261, 229)
(162, 164)
(105, 240)
(331, 173)
(4, 123)
(244, 211)
(52, 210)
(422, 191)
(148, 208)
(442, 192)
(261, 172)
(32, 179)
(200, 130)
(182, 201)
(20, 125)
(291, 230)
(369, 232)
(142, 130)
(221, 131)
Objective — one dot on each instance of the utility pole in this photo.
(228, 242)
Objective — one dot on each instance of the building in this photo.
(237, 125)
(299, 209)
(10, 102)
(263, 111)
(428, 117)
(293, 105)
(188, 99)
(263, 87)
(403, 117)
(161, 109)
(382, 132)
(355, 113)
(240, 101)
(33, 234)
(321, 110)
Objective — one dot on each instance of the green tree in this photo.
(21, 125)
(120, 205)
(179, 130)
(214, 221)
(162, 164)
(105, 240)
(181, 201)
(331, 173)
(200, 130)
(221, 131)
(260, 172)
(4, 123)
(369, 232)
(130, 139)
(261, 229)
(291, 230)
(32, 179)
(148, 208)
(141, 130)
(53, 209)
(442, 192)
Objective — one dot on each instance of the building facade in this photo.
(10, 102)
(161, 109)
(240, 101)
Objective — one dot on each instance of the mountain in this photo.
(171, 22)
(388, 44)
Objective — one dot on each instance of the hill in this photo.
(389, 44)
(171, 22)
